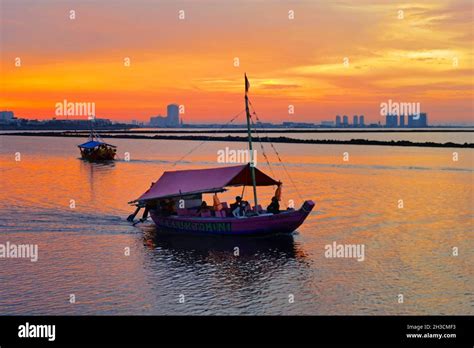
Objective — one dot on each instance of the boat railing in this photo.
(224, 212)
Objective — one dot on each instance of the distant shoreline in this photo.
(244, 131)
(282, 130)
(231, 138)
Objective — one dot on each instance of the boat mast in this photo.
(252, 167)
(91, 132)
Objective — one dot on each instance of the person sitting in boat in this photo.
(244, 207)
(274, 206)
(240, 207)
(236, 204)
(204, 208)
(217, 205)
(235, 207)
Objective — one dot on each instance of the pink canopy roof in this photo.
(186, 182)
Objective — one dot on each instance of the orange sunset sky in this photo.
(420, 51)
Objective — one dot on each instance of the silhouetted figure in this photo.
(240, 207)
(234, 206)
(274, 206)
(204, 207)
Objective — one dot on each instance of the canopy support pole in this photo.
(252, 168)
(243, 190)
(131, 217)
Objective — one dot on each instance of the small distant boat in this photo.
(97, 150)
(175, 202)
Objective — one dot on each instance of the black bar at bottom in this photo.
(224, 330)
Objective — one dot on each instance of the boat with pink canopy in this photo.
(175, 202)
(184, 188)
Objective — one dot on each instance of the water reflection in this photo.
(190, 249)
(283, 244)
(92, 169)
(92, 164)
(206, 268)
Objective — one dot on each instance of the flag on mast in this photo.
(247, 84)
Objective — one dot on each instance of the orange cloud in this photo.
(425, 57)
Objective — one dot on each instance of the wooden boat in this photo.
(97, 150)
(174, 201)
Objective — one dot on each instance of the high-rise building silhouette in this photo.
(361, 121)
(423, 120)
(345, 121)
(402, 121)
(171, 119)
(391, 121)
(6, 116)
(355, 121)
(419, 121)
(173, 115)
(338, 121)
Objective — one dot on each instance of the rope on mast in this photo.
(263, 149)
(277, 154)
(249, 132)
(205, 141)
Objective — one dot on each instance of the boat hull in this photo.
(96, 156)
(285, 222)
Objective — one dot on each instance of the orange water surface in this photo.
(82, 249)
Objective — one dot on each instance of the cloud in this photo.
(278, 86)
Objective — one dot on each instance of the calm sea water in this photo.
(408, 251)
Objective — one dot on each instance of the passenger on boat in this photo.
(204, 208)
(217, 205)
(244, 207)
(240, 207)
(274, 206)
(235, 205)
